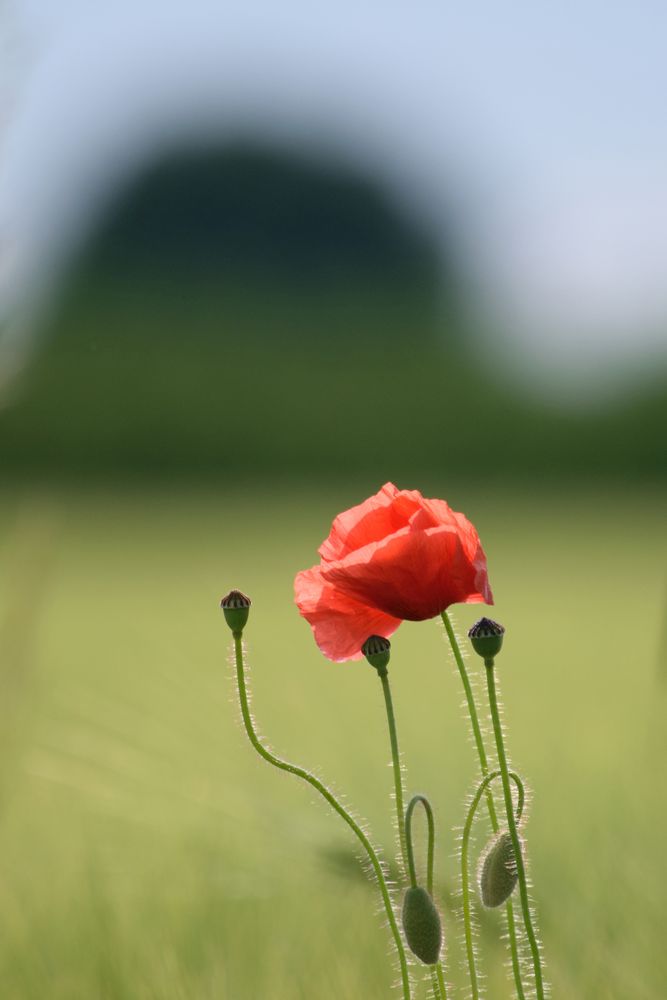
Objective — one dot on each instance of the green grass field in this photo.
(147, 853)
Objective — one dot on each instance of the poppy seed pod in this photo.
(498, 875)
(377, 651)
(236, 607)
(487, 637)
(421, 925)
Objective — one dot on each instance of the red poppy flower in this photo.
(395, 557)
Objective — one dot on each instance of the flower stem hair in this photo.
(465, 877)
(484, 768)
(512, 827)
(329, 797)
(437, 974)
(373, 647)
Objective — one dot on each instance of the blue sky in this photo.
(542, 125)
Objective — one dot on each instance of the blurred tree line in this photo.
(241, 312)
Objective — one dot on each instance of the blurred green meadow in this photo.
(147, 852)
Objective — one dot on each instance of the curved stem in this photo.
(437, 973)
(465, 881)
(414, 801)
(396, 765)
(315, 783)
(484, 767)
(403, 819)
(511, 824)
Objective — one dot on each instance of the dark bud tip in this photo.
(487, 638)
(421, 925)
(377, 651)
(236, 608)
(498, 875)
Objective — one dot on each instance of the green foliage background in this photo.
(149, 853)
(240, 314)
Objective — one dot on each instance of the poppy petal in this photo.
(413, 574)
(340, 623)
(386, 512)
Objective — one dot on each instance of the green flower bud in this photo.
(377, 651)
(487, 638)
(421, 925)
(498, 875)
(236, 607)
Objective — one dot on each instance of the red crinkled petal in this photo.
(467, 532)
(386, 512)
(414, 574)
(340, 623)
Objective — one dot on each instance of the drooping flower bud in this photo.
(236, 607)
(487, 638)
(377, 651)
(498, 874)
(421, 925)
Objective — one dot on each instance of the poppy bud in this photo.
(498, 876)
(421, 925)
(236, 607)
(377, 651)
(487, 638)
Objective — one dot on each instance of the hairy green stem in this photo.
(514, 949)
(430, 853)
(472, 712)
(402, 819)
(438, 981)
(512, 827)
(396, 765)
(437, 973)
(493, 818)
(465, 880)
(315, 783)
